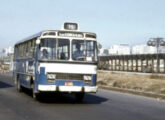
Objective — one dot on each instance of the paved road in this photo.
(105, 105)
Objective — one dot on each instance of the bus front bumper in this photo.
(51, 88)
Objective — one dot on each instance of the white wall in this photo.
(125, 49)
(143, 49)
(9, 50)
(162, 49)
(103, 51)
(122, 49)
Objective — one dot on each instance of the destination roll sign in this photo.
(71, 34)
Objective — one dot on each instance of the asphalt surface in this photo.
(105, 105)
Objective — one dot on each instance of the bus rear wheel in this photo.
(19, 87)
(79, 97)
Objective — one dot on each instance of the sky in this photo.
(130, 22)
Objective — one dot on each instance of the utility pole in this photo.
(156, 42)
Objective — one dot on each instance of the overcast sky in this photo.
(114, 21)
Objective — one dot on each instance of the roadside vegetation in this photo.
(148, 83)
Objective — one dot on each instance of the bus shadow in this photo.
(4, 85)
(59, 98)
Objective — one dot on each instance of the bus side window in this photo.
(33, 47)
(15, 52)
(21, 51)
(24, 51)
(29, 49)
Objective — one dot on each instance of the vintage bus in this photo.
(57, 61)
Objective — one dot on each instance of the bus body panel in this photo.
(69, 68)
(24, 69)
(59, 84)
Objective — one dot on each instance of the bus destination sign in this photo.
(70, 34)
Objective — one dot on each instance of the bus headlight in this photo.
(87, 77)
(51, 76)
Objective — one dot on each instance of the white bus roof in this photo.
(40, 33)
(30, 37)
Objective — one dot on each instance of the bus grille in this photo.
(66, 76)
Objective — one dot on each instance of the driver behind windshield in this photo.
(78, 54)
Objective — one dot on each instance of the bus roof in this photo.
(41, 32)
(30, 37)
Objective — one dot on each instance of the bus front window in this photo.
(84, 50)
(63, 49)
(78, 50)
(54, 49)
(48, 49)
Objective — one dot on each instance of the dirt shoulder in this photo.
(151, 83)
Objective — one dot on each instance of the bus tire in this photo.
(19, 87)
(31, 83)
(79, 97)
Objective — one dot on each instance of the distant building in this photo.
(103, 51)
(9, 50)
(162, 49)
(125, 49)
(143, 49)
(122, 49)
(2, 53)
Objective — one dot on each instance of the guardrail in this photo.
(150, 63)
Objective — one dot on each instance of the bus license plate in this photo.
(68, 83)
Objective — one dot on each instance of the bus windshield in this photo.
(84, 50)
(59, 49)
(54, 49)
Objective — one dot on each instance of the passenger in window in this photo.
(78, 54)
(44, 54)
(62, 56)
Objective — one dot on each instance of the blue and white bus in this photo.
(57, 61)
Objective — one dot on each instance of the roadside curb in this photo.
(141, 93)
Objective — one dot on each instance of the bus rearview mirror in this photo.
(99, 45)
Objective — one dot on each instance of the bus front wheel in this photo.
(35, 95)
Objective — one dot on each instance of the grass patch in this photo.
(153, 83)
(157, 77)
